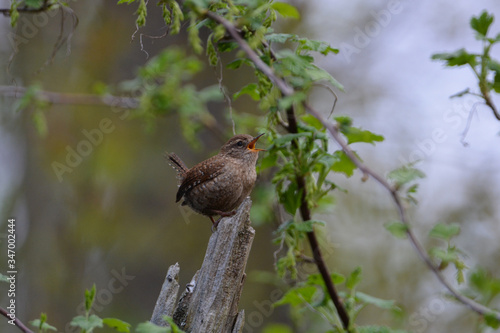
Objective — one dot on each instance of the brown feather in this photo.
(178, 165)
(199, 174)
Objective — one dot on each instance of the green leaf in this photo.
(142, 12)
(226, 46)
(405, 175)
(317, 279)
(316, 46)
(291, 198)
(33, 3)
(40, 123)
(481, 24)
(354, 134)
(492, 321)
(317, 74)
(493, 65)
(89, 298)
(446, 256)
(165, 13)
(87, 324)
(445, 231)
(178, 16)
(117, 324)
(212, 55)
(353, 279)
(279, 38)
(287, 263)
(125, 1)
(298, 295)
(288, 101)
(237, 63)
(307, 226)
(343, 163)
(483, 282)
(458, 58)
(285, 9)
(41, 324)
(149, 327)
(312, 121)
(14, 13)
(496, 83)
(194, 34)
(4, 278)
(269, 160)
(397, 229)
(287, 138)
(251, 90)
(378, 302)
(357, 135)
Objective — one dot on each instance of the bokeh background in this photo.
(115, 213)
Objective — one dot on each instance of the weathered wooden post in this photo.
(210, 301)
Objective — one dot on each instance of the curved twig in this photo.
(292, 128)
(334, 131)
(490, 104)
(330, 89)
(73, 99)
(305, 213)
(17, 322)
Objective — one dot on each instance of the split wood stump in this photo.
(210, 301)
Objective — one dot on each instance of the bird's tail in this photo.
(179, 166)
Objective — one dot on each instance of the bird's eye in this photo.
(239, 143)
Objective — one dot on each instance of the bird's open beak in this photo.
(252, 143)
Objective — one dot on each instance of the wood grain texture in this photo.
(165, 305)
(210, 301)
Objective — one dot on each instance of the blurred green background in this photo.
(115, 213)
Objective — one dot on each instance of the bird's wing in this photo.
(200, 174)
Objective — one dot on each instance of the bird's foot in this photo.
(221, 214)
(215, 223)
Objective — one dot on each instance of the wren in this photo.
(218, 185)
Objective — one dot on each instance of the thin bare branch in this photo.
(292, 128)
(305, 213)
(334, 131)
(490, 104)
(73, 99)
(17, 322)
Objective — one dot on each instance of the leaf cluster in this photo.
(451, 254)
(485, 68)
(311, 294)
(164, 86)
(25, 5)
(88, 322)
